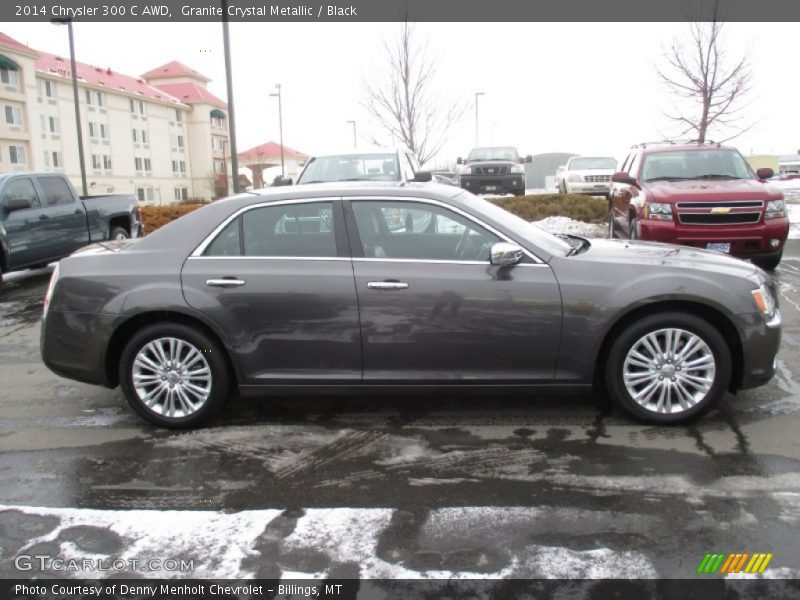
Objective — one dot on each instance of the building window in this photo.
(138, 162)
(181, 193)
(53, 123)
(103, 131)
(88, 94)
(183, 166)
(219, 166)
(144, 136)
(8, 76)
(13, 115)
(147, 164)
(97, 163)
(174, 166)
(145, 194)
(16, 154)
(177, 115)
(137, 107)
(135, 135)
(107, 162)
(92, 130)
(49, 88)
(180, 141)
(218, 122)
(100, 98)
(54, 158)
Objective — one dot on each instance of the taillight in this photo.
(48, 296)
(138, 211)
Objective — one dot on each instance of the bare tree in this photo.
(405, 104)
(709, 85)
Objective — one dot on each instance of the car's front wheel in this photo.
(174, 376)
(668, 368)
(769, 262)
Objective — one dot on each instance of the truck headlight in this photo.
(574, 178)
(764, 299)
(658, 211)
(776, 209)
(517, 168)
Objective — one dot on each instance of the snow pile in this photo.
(794, 221)
(566, 225)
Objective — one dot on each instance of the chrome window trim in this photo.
(198, 252)
(325, 258)
(443, 262)
(455, 209)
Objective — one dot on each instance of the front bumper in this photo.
(502, 184)
(599, 189)
(761, 340)
(745, 240)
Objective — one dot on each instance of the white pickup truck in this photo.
(589, 175)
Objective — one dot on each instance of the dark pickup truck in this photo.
(42, 219)
(495, 170)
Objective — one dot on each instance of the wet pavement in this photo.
(394, 487)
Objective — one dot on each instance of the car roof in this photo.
(352, 188)
(375, 150)
(670, 147)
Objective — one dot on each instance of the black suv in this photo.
(493, 170)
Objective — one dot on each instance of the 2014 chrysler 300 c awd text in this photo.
(374, 287)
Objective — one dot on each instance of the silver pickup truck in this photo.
(42, 219)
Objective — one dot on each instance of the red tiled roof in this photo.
(270, 150)
(191, 93)
(12, 43)
(173, 69)
(103, 78)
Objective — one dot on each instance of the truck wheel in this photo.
(770, 262)
(174, 375)
(118, 234)
(668, 368)
(519, 192)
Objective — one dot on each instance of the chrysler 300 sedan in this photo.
(377, 287)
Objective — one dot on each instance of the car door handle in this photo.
(387, 285)
(225, 282)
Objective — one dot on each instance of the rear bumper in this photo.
(504, 184)
(74, 345)
(745, 240)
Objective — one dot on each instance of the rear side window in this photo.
(304, 230)
(56, 191)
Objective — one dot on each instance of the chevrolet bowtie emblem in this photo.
(720, 210)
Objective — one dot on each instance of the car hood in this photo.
(736, 189)
(489, 163)
(628, 252)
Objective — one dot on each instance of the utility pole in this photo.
(229, 80)
(280, 125)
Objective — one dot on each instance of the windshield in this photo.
(695, 164)
(480, 154)
(352, 167)
(586, 162)
(527, 231)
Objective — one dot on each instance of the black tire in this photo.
(220, 378)
(614, 376)
(769, 262)
(519, 192)
(118, 233)
(562, 187)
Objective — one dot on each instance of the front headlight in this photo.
(764, 299)
(658, 211)
(776, 209)
(517, 168)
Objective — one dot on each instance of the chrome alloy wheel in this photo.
(171, 377)
(669, 370)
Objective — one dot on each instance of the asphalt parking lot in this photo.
(395, 487)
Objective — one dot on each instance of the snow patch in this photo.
(559, 224)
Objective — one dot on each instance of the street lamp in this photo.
(280, 125)
(477, 94)
(75, 97)
(355, 144)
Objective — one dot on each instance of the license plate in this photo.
(490, 188)
(724, 247)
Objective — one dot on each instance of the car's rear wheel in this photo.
(769, 262)
(668, 368)
(174, 375)
(118, 234)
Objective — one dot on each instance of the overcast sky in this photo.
(549, 87)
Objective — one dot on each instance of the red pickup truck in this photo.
(701, 195)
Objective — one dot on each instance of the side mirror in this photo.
(281, 181)
(459, 161)
(623, 177)
(527, 159)
(422, 176)
(13, 204)
(504, 254)
(765, 173)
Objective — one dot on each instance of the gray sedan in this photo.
(422, 287)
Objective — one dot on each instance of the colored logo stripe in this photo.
(736, 562)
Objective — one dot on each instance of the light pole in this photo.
(280, 125)
(477, 94)
(75, 97)
(355, 144)
(229, 84)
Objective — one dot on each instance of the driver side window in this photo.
(419, 231)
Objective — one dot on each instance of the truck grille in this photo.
(597, 178)
(498, 170)
(725, 212)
